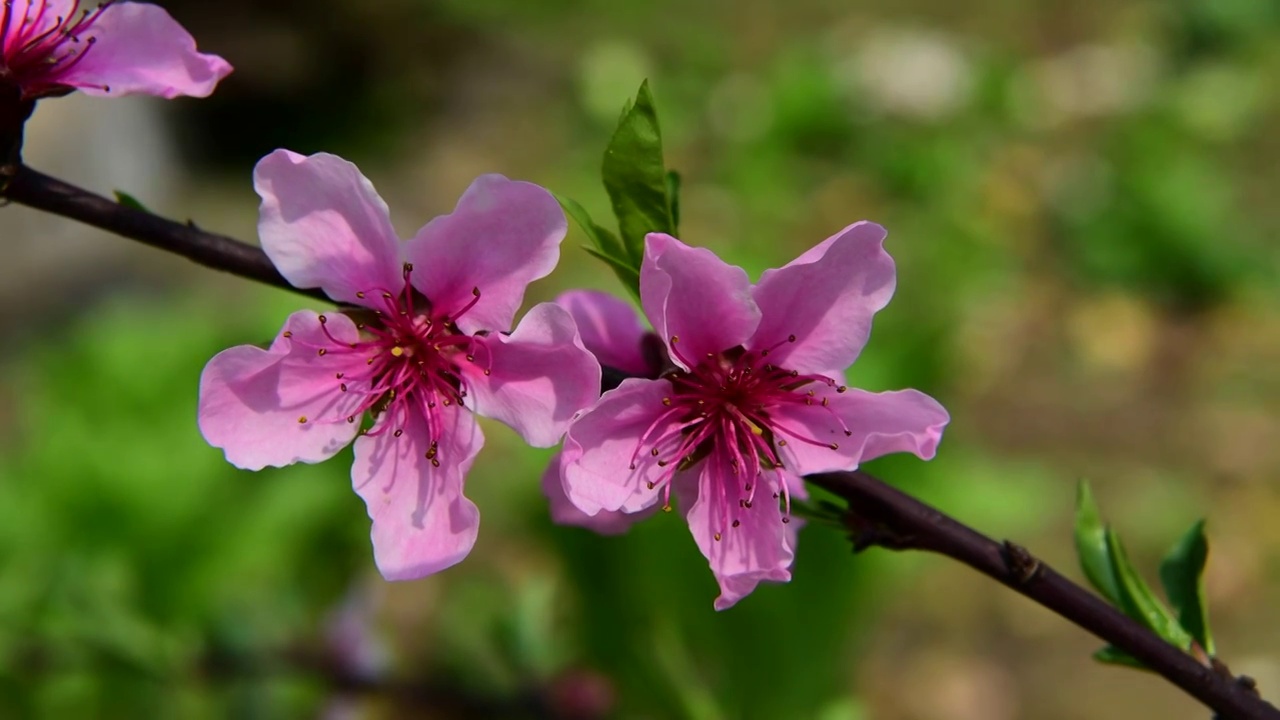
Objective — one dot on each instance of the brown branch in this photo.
(34, 189)
(882, 515)
(878, 514)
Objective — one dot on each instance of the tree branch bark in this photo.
(877, 515)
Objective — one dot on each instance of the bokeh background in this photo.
(1081, 200)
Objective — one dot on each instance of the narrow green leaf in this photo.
(673, 197)
(629, 277)
(1182, 575)
(1139, 601)
(605, 240)
(635, 176)
(1091, 545)
(130, 201)
(1113, 655)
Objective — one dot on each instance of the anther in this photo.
(785, 519)
(782, 442)
(842, 388)
(662, 463)
(351, 418)
(654, 452)
(322, 352)
(408, 267)
(471, 358)
(342, 387)
(323, 319)
(398, 433)
(791, 338)
(397, 351)
(360, 295)
(650, 484)
(666, 401)
(340, 375)
(302, 420)
(737, 523)
(487, 371)
(826, 402)
(717, 537)
(475, 291)
(746, 504)
(288, 333)
(834, 446)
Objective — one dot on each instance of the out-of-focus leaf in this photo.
(636, 178)
(1091, 545)
(1139, 601)
(1182, 574)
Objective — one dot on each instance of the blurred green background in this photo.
(1080, 198)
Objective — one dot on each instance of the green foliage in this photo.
(644, 194)
(1109, 570)
(130, 201)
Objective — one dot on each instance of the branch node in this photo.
(1023, 566)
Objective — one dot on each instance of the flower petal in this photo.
(422, 523)
(759, 549)
(604, 442)
(877, 423)
(564, 512)
(139, 48)
(539, 376)
(323, 225)
(692, 294)
(253, 401)
(503, 235)
(610, 328)
(826, 299)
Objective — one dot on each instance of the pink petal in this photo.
(611, 329)
(692, 294)
(564, 512)
(539, 377)
(880, 423)
(138, 48)
(826, 299)
(503, 235)
(252, 400)
(323, 225)
(422, 523)
(759, 549)
(602, 442)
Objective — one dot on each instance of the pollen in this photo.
(397, 351)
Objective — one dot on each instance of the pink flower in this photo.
(421, 347)
(752, 403)
(51, 47)
(613, 332)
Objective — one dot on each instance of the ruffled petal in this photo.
(610, 328)
(282, 405)
(564, 512)
(825, 299)
(604, 442)
(139, 48)
(761, 547)
(876, 424)
(422, 523)
(691, 294)
(538, 377)
(503, 235)
(323, 225)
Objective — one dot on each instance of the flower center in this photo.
(411, 361)
(725, 411)
(38, 47)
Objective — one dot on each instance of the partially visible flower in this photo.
(423, 345)
(613, 332)
(51, 47)
(753, 403)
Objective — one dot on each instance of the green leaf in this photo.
(628, 276)
(1182, 575)
(1138, 600)
(1113, 655)
(673, 196)
(1091, 545)
(636, 178)
(130, 201)
(607, 246)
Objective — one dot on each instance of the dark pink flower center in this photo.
(724, 411)
(412, 355)
(37, 47)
